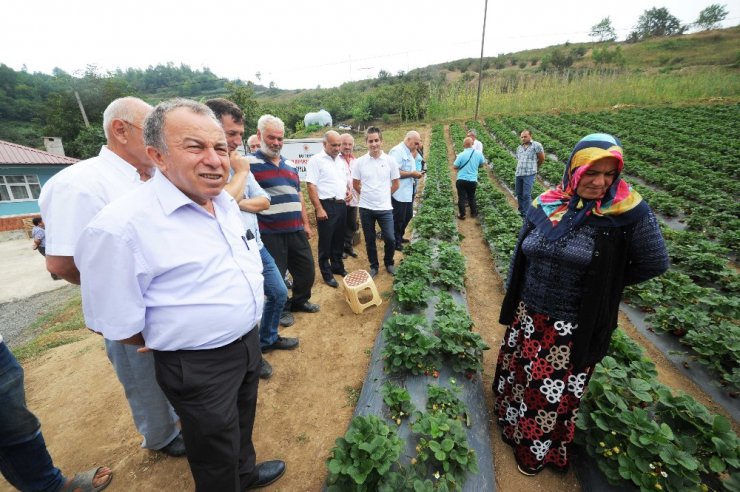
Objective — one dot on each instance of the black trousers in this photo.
(384, 218)
(331, 237)
(292, 252)
(352, 225)
(214, 392)
(402, 214)
(466, 194)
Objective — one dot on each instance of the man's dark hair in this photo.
(221, 106)
(36, 221)
(373, 129)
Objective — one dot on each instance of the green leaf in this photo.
(716, 464)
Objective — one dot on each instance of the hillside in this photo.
(662, 70)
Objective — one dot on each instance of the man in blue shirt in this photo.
(403, 198)
(467, 164)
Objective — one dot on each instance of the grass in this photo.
(60, 327)
(585, 91)
(352, 394)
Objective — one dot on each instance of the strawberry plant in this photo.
(450, 273)
(457, 341)
(408, 345)
(446, 401)
(443, 450)
(363, 456)
(398, 401)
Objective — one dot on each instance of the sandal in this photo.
(523, 472)
(84, 481)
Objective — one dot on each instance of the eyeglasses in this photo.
(133, 124)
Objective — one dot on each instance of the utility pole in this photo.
(480, 66)
(82, 108)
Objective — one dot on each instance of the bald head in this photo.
(468, 142)
(131, 110)
(332, 143)
(123, 124)
(412, 140)
(348, 144)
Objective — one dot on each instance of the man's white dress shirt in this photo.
(156, 262)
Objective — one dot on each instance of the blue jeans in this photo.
(276, 294)
(385, 219)
(523, 191)
(154, 417)
(24, 460)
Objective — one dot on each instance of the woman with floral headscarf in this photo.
(580, 245)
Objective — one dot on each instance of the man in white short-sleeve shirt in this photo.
(187, 284)
(326, 178)
(68, 202)
(375, 178)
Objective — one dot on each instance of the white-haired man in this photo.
(68, 202)
(284, 227)
(351, 224)
(403, 198)
(186, 284)
(253, 144)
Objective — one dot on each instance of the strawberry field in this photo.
(637, 429)
(693, 187)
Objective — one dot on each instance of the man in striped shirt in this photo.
(529, 156)
(284, 227)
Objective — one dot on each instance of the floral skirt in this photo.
(536, 394)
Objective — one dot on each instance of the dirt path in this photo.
(485, 294)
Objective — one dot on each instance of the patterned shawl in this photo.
(557, 211)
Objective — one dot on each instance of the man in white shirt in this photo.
(403, 198)
(186, 283)
(375, 178)
(351, 224)
(477, 145)
(68, 202)
(326, 177)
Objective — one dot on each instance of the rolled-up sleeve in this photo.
(113, 279)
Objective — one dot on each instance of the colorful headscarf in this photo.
(557, 211)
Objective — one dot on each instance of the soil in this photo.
(301, 410)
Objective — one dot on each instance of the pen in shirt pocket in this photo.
(246, 238)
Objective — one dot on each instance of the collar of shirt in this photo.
(121, 165)
(171, 198)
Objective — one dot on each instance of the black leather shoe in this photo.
(399, 248)
(373, 272)
(286, 319)
(282, 343)
(331, 282)
(267, 473)
(265, 369)
(404, 240)
(306, 307)
(176, 447)
(343, 273)
(351, 252)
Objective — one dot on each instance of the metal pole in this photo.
(480, 66)
(82, 108)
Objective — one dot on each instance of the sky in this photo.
(301, 44)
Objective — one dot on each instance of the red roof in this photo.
(14, 154)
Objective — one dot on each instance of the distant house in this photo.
(23, 171)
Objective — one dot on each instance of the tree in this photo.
(656, 22)
(710, 17)
(87, 143)
(243, 96)
(603, 31)
(557, 59)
